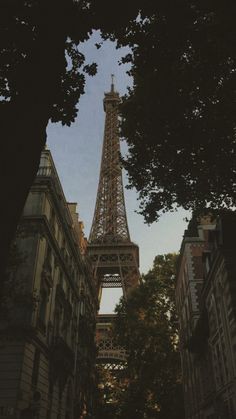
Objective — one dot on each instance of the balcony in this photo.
(45, 171)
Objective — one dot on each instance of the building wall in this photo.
(50, 290)
(187, 295)
(206, 310)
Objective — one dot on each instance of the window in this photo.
(48, 258)
(69, 402)
(82, 307)
(60, 281)
(68, 293)
(35, 370)
(52, 219)
(57, 320)
(43, 309)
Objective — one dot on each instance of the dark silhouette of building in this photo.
(206, 304)
(48, 310)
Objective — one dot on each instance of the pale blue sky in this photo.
(77, 150)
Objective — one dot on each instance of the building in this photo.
(206, 305)
(48, 315)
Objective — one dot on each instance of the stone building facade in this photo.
(48, 314)
(206, 305)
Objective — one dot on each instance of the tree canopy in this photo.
(178, 119)
(179, 116)
(146, 327)
(42, 75)
(40, 44)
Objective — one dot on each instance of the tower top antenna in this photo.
(112, 82)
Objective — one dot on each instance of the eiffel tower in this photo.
(114, 256)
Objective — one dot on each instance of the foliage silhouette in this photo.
(42, 75)
(179, 116)
(150, 384)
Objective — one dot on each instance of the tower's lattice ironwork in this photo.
(115, 258)
(110, 222)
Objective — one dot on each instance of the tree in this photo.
(111, 385)
(179, 116)
(41, 78)
(35, 85)
(178, 119)
(146, 327)
(18, 301)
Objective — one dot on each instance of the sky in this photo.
(77, 150)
